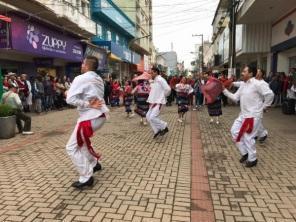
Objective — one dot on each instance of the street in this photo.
(150, 180)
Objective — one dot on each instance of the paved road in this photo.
(148, 180)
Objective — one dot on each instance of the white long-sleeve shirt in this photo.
(159, 91)
(254, 97)
(84, 88)
(12, 99)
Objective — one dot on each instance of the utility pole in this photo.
(202, 50)
(232, 36)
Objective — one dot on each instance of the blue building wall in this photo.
(114, 29)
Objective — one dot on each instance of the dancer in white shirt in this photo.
(262, 131)
(254, 97)
(87, 93)
(160, 90)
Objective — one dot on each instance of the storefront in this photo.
(284, 43)
(28, 46)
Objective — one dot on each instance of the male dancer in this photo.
(87, 93)
(160, 90)
(254, 98)
(262, 131)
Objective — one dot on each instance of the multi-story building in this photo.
(279, 19)
(115, 31)
(45, 36)
(140, 12)
(171, 61)
(265, 35)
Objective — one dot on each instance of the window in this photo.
(82, 8)
(109, 36)
(99, 30)
(292, 62)
(117, 40)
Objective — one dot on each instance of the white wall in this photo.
(278, 30)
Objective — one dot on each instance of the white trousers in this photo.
(80, 156)
(247, 144)
(262, 132)
(155, 122)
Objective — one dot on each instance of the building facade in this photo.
(45, 36)
(281, 21)
(265, 40)
(140, 12)
(171, 61)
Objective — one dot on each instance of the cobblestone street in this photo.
(264, 193)
(150, 180)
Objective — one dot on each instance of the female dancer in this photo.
(183, 91)
(141, 91)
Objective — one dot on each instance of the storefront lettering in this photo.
(53, 43)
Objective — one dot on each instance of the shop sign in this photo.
(100, 54)
(37, 39)
(127, 55)
(284, 29)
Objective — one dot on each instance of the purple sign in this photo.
(33, 38)
(4, 34)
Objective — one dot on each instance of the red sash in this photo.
(154, 105)
(247, 127)
(86, 128)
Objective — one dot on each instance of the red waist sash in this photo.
(86, 129)
(247, 127)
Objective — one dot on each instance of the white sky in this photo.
(174, 21)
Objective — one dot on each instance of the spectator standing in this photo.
(39, 94)
(276, 89)
(60, 90)
(48, 93)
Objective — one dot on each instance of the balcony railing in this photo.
(66, 10)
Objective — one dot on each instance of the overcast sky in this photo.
(174, 21)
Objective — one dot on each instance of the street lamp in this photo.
(202, 49)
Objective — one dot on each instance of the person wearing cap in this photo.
(12, 99)
(160, 90)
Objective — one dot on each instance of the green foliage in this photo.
(6, 110)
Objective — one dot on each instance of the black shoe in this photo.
(156, 134)
(79, 185)
(98, 167)
(165, 131)
(250, 164)
(262, 139)
(244, 158)
(256, 137)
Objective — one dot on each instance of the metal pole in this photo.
(202, 53)
(232, 36)
(233, 61)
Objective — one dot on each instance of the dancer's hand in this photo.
(96, 103)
